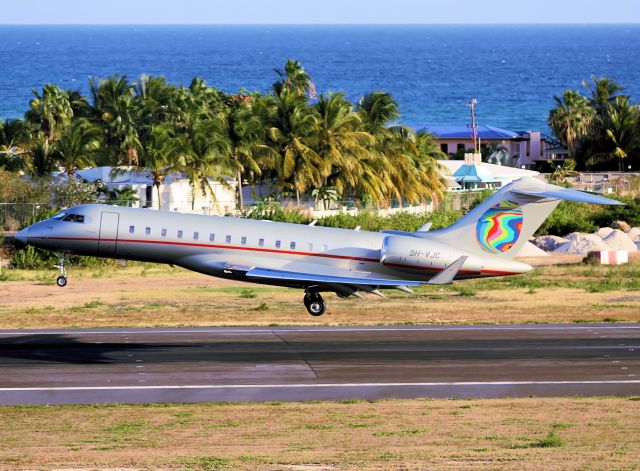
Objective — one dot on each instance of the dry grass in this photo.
(522, 434)
(161, 296)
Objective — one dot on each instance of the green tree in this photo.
(115, 111)
(14, 138)
(77, 146)
(571, 120)
(622, 128)
(161, 155)
(49, 113)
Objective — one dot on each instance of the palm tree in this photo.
(49, 112)
(115, 110)
(294, 134)
(40, 159)
(622, 127)
(294, 78)
(402, 169)
(161, 154)
(77, 146)
(571, 120)
(246, 135)
(342, 143)
(562, 173)
(603, 93)
(14, 138)
(206, 154)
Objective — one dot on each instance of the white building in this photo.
(176, 193)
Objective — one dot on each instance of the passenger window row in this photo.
(212, 237)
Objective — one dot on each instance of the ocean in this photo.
(432, 71)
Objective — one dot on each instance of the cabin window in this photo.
(228, 239)
(310, 247)
(325, 248)
(292, 245)
(132, 229)
(179, 234)
(261, 242)
(212, 237)
(163, 233)
(277, 244)
(243, 240)
(196, 235)
(147, 230)
(59, 216)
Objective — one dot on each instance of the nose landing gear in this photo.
(61, 281)
(314, 303)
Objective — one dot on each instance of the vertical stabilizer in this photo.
(503, 223)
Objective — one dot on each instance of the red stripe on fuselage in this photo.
(285, 252)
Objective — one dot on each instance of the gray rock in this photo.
(618, 240)
(549, 243)
(634, 234)
(579, 243)
(604, 232)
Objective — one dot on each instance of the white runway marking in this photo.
(266, 330)
(321, 385)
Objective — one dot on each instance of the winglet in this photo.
(446, 276)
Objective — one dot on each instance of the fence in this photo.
(14, 216)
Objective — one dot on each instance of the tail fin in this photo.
(502, 224)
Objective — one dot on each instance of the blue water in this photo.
(432, 71)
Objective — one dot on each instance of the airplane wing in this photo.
(322, 278)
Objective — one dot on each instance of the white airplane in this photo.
(348, 262)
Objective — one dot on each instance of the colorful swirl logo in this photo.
(499, 227)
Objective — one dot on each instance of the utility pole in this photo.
(474, 126)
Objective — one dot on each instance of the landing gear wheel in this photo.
(315, 304)
(61, 281)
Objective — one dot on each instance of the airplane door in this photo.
(108, 233)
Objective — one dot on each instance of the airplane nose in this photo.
(23, 236)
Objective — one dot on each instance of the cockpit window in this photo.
(59, 216)
(74, 218)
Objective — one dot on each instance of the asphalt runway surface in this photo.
(305, 363)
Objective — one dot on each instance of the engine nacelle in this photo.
(415, 253)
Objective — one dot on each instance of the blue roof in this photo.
(465, 132)
(473, 174)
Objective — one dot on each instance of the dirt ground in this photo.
(155, 295)
(506, 434)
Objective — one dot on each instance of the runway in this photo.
(317, 363)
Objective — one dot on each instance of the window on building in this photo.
(261, 242)
(460, 147)
(163, 233)
(212, 237)
(292, 245)
(278, 244)
(196, 235)
(147, 230)
(243, 240)
(132, 229)
(444, 148)
(228, 239)
(179, 234)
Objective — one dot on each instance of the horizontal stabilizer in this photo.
(446, 276)
(568, 194)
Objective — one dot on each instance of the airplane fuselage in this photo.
(216, 245)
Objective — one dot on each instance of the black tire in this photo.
(315, 305)
(61, 281)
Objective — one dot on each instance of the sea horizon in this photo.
(433, 70)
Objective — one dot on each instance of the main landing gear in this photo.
(314, 303)
(61, 281)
